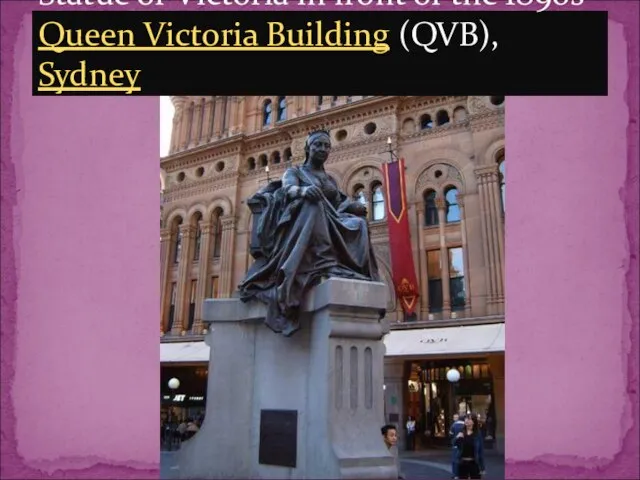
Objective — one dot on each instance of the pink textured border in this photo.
(109, 402)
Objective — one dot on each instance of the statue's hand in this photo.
(358, 209)
(312, 193)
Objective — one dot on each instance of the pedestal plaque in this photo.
(278, 438)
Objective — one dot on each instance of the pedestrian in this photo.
(469, 443)
(411, 433)
(390, 437)
(456, 427)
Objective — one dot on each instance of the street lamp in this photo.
(453, 375)
(173, 384)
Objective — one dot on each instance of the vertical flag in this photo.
(404, 275)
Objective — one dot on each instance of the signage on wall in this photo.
(178, 398)
(433, 340)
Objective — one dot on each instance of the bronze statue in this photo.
(304, 229)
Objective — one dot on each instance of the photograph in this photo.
(265, 201)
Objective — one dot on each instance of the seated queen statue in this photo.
(304, 229)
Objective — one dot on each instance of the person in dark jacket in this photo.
(456, 427)
(470, 450)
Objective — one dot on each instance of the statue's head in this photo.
(317, 147)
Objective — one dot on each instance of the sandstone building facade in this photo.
(224, 148)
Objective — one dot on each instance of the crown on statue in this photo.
(319, 130)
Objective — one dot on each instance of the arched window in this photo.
(377, 202)
(198, 239)
(217, 233)
(430, 209)
(177, 247)
(171, 314)
(319, 100)
(501, 179)
(426, 122)
(275, 157)
(459, 114)
(287, 154)
(359, 195)
(266, 113)
(453, 210)
(251, 163)
(282, 108)
(442, 117)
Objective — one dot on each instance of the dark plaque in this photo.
(278, 438)
(394, 418)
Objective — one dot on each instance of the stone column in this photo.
(217, 122)
(227, 255)
(165, 258)
(487, 182)
(298, 105)
(204, 264)
(189, 120)
(224, 129)
(394, 387)
(184, 285)
(240, 118)
(233, 115)
(211, 116)
(499, 228)
(175, 132)
(179, 103)
(496, 364)
(444, 258)
(327, 379)
(184, 127)
(195, 124)
(422, 256)
(465, 257)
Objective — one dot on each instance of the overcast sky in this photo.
(166, 120)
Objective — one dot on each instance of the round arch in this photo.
(197, 208)
(489, 156)
(372, 162)
(448, 156)
(172, 214)
(220, 202)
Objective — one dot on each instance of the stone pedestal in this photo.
(329, 375)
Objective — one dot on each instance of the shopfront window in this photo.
(432, 400)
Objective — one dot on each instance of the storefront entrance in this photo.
(432, 400)
(186, 403)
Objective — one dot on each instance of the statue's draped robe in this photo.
(302, 241)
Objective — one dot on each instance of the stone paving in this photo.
(433, 464)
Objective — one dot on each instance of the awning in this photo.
(184, 352)
(446, 340)
(399, 343)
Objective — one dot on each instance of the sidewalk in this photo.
(441, 459)
(430, 464)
